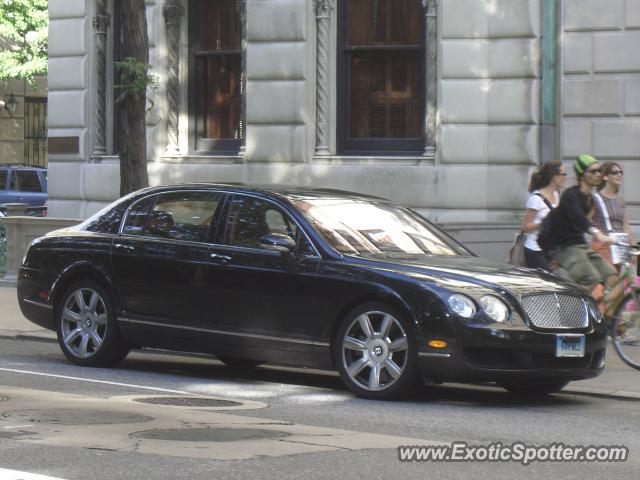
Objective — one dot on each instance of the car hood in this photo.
(452, 271)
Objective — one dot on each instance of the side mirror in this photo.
(278, 243)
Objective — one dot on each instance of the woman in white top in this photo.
(543, 188)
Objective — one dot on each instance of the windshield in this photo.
(355, 226)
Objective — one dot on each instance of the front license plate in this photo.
(570, 345)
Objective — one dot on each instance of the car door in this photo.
(263, 294)
(160, 259)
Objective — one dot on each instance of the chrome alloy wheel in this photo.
(375, 350)
(84, 322)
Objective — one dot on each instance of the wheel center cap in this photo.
(87, 322)
(378, 351)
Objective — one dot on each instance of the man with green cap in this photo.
(568, 244)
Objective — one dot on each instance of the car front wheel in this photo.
(86, 326)
(376, 353)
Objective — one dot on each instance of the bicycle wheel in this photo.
(625, 329)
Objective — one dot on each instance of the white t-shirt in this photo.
(536, 203)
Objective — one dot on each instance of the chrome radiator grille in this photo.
(556, 311)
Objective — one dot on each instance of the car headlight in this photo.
(594, 311)
(462, 305)
(495, 308)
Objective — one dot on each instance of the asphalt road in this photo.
(77, 423)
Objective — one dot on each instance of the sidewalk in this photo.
(617, 381)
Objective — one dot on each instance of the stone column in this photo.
(431, 80)
(241, 8)
(323, 21)
(173, 13)
(101, 22)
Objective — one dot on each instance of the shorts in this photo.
(585, 266)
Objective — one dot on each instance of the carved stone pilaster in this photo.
(101, 21)
(431, 80)
(173, 13)
(323, 10)
(241, 8)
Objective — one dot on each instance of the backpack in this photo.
(547, 227)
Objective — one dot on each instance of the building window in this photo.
(35, 131)
(215, 63)
(381, 77)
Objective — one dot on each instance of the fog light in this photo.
(437, 343)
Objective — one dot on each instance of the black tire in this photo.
(379, 365)
(88, 334)
(535, 389)
(240, 362)
(626, 325)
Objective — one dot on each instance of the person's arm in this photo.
(573, 208)
(527, 224)
(627, 229)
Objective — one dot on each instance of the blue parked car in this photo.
(23, 184)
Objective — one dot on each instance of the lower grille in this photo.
(516, 360)
(556, 311)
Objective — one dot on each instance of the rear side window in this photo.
(25, 181)
(137, 216)
(3, 179)
(183, 215)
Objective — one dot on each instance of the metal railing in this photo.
(3, 250)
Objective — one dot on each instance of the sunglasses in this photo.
(594, 171)
(616, 172)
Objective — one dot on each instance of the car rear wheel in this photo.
(376, 353)
(542, 388)
(86, 326)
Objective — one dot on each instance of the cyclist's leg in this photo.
(575, 260)
(609, 276)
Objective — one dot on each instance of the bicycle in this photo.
(624, 323)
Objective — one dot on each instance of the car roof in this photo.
(287, 191)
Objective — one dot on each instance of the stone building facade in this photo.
(502, 85)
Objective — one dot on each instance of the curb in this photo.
(50, 337)
(602, 393)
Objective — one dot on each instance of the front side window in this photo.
(252, 218)
(215, 30)
(3, 179)
(381, 76)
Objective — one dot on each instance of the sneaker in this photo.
(628, 340)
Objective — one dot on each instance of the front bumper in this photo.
(512, 356)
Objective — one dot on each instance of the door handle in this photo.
(219, 258)
(125, 248)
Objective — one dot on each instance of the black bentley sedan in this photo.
(305, 277)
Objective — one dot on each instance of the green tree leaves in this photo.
(23, 38)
